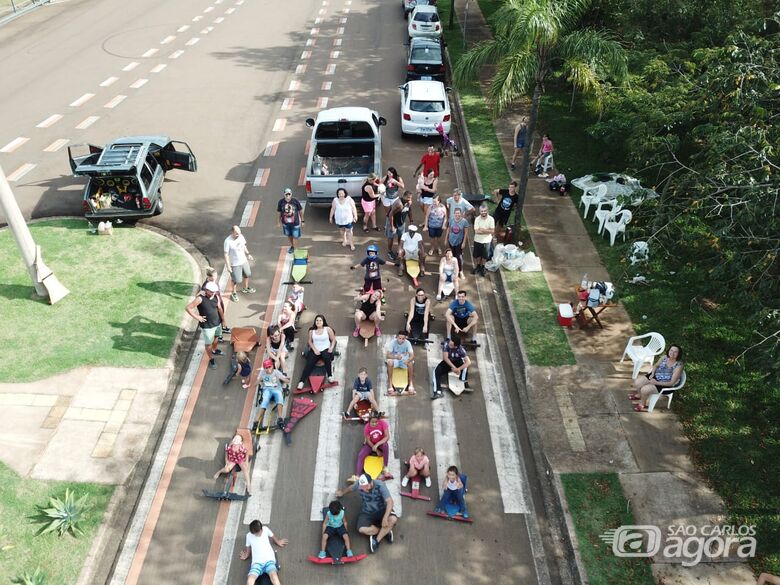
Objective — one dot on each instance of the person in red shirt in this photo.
(430, 160)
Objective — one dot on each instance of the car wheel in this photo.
(160, 207)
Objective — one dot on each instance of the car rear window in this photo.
(426, 106)
(429, 54)
(343, 129)
(426, 17)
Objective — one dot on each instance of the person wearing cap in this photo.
(411, 247)
(290, 218)
(372, 262)
(206, 310)
(484, 227)
(237, 259)
(376, 518)
(270, 382)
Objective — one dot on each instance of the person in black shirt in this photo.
(505, 199)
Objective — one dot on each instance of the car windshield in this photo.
(430, 54)
(426, 17)
(426, 106)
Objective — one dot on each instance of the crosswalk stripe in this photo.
(444, 431)
(389, 405)
(506, 450)
(326, 469)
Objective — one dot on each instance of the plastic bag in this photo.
(531, 263)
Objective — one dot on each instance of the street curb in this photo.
(14, 15)
(575, 547)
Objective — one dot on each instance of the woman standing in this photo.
(435, 220)
(322, 342)
(393, 183)
(344, 212)
(368, 197)
(427, 189)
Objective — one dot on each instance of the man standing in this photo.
(458, 201)
(505, 199)
(484, 226)
(429, 161)
(399, 212)
(258, 543)
(519, 139)
(290, 218)
(376, 519)
(237, 259)
(206, 310)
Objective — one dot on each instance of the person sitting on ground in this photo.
(400, 354)
(369, 310)
(411, 247)
(665, 374)
(258, 543)
(448, 272)
(321, 344)
(461, 315)
(286, 322)
(372, 262)
(362, 389)
(455, 360)
(270, 383)
(419, 465)
(376, 434)
(376, 519)
(453, 492)
(419, 312)
(275, 349)
(334, 524)
(236, 454)
(296, 298)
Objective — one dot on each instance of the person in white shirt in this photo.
(258, 543)
(237, 259)
(484, 226)
(411, 247)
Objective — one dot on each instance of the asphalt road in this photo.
(223, 95)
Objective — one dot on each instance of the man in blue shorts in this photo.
(461, 315)
(270, 382)
(258, 543)
(290, 218)
(400, 354)
(457, 237)
(376, 519)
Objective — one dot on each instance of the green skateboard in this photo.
(299, 267)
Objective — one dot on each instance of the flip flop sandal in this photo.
(640, 408)
(634, 396)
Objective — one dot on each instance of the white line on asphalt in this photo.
(506, 450)
(109, 81)
(305, 54)
(138, 83)
(56, 145)
(219, 20)
(247, 213)
(318, 20)
(130, 66)
(569, 416)
(20, 172)
(340, 30)
(294, 85)
(314, 32)
(300, 69)
(53, 119)
(258, 177)
(334, 54)
(270, 147)
(343, 20)
(207, 30)
(346, 11)
(322, 11)
(326, 85)
(158, 68)
(144, 504)
(330, 69)
(336, 42)
(14, 144)
(322, 103)
(87, 122)
(82, 100)
(324, 2)
(208, 9)
(348, 3)
(218, 1)
(115, 101)
(230, 11)
(168, 39)
(311, 42)
(192, 41)
(326, 468)
(279, 125)
(287, 103)
(182, 28)
(176, 54)
(239, 2)
(391, 410)
(149, 53)
(444, 432)
(197, 18)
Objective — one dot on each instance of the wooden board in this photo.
(367, 328)
(448, 288)
(300, 264)
(400, 379)
(455, 383)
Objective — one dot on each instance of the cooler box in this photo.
(565, 314)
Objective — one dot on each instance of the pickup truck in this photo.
(126, 176)
(346, 146)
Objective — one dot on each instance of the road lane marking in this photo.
(51, 120)
(261, 178)
(239, 2)
(300, 69)
(506, 449)
(192, 41)
(302, 177)
(207, 30)
(287, 103)
(230, 11)
(330, 69)
(138, 83)
(158, 68)
(324, 2)
(182, 28)
(326, 468)
(168, 39)
(219, 20)
(176, 54)
(322, 103)
(340, 31)
(271, 147)
(130, 66)
(56, 145)
(247, 214)
(322, 11)
(305, 54)
(14, 144)
(334, 54)
(336, 42)
(444, 431)
(208, 9)
(109, 81)
(87, 122)
(311, 42)
(343, 20)
(82, 100)
(318, 20)
(149, 53)
(569, 416)
(346, 11)
(326, 85)
(294, 85)
(197, 18)
(279, 125)
(314, 32)
(115, 101)
(20, 172)
(391, 411)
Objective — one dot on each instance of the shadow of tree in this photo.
(170, 288)
(142, 335)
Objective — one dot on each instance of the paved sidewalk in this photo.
(584, 417)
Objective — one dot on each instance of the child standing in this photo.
(419, 464)
(334, 524)
(244, 368)
(362, 389)
(453, 492)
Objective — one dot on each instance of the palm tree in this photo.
(534, 39)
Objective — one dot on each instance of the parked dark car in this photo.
(425, 60)
(126, 176)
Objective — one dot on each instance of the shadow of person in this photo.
(142, 335)
(170, 288)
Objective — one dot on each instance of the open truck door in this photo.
(83, 154)
(178, 155)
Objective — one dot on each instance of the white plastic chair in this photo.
(546, 162)
(644, 354)
(616, 224)
(606, 209)
(591, 195)
(669, 392)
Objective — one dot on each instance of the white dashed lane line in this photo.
(311, 42)
(230, 11)
(300, 69)
(56, 145)
(82, 100)
(271, 147)
(279, 124)
(115, 101)
(336, 42)
(326, 85)
(51, 120)
(219, 20)
(318, 20)
(207, 30)
(182, 28)
(149, 53)
(335, 54)
(314, 32)
(14, 144)
(87, 122)
(343, 20)
(209, 9)
(196, 18)
(168, 39)
(322, 103)
(130, 66)
(192, 41)
(138, 83)
(109, 81)
(305, 54)
(287, 103)
(294, 85)
(20, 172)
(176, 54)
(330, 69)
(158, 68)
(340, 30)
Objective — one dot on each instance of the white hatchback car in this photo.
(424, 22)
(424, 105)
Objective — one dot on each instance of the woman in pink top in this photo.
(419, 464)
(545, 152)
(376, 434)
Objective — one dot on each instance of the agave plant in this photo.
(63, 515)
(37, 577)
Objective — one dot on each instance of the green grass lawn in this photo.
(597, 503)
(128, 293)
(21, 551)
